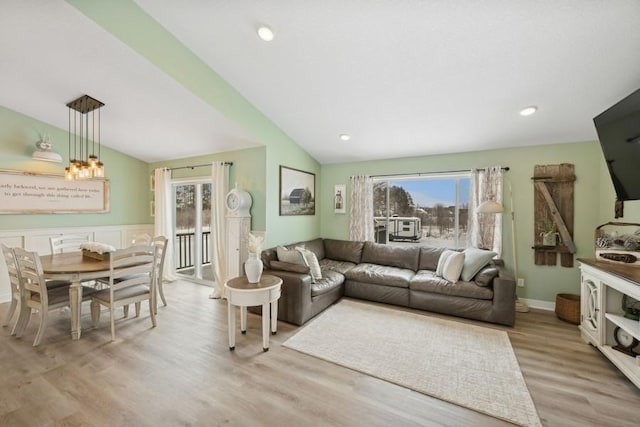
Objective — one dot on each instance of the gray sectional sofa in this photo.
(398, 275)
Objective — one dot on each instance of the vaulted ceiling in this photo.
(401, 77)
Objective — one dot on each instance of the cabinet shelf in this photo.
(626, 364)
(630, 326)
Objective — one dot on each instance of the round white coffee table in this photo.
(241, 293)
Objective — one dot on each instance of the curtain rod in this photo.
(196, 166)
(506, 169)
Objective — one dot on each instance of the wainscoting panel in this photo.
(37, 240)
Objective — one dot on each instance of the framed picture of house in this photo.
(339, 199)
(297, 192)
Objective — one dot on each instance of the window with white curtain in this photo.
(423, 209)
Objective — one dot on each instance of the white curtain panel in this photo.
(486, 229)
(164, 224)
(218, 247)
(361, 209)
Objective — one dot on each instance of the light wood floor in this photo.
(183, 374)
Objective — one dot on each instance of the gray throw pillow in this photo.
(485, 276)
(474, 260)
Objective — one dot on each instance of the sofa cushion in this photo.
(333, 265)
(429, 258)
(474, 260)
(380, 275)
(486, 276)
(450, 265)
(392, 256)
(428, 281)
(287, 266)
(267, 256)
(316, 246)
(330, 281)
(343, 250)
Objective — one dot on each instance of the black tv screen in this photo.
(619, 133)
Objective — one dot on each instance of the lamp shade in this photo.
(45, 151)
(490, 207)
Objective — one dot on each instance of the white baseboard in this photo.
(539, 304)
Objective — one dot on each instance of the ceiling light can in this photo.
(344, 137)
(527, 111)
(265, 33)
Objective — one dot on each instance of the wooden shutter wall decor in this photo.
(553, 212)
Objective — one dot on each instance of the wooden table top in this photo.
(72, 262)
(241, 283)
(625, 271)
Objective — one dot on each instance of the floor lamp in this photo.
(492, 207)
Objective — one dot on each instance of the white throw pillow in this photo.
(450, 265)
(312, 261)
(290, 255)
(474, 260)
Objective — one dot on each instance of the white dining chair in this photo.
(34, 294)
(131, 280)
(67, 243)
(160, 242)
(14, 284)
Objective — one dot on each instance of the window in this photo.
(431, 210)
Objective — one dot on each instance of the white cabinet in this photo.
(590, 304)
(603, 286)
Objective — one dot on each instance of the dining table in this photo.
(76, 268)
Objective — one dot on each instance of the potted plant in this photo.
(549, 233)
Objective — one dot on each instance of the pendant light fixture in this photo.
(84, 136)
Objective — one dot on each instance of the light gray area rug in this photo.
(464, 364)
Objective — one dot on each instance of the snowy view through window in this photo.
(430, 211)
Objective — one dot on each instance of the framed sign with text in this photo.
(32, 193)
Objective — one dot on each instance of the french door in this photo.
(192, 204)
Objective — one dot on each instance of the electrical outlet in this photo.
(520, 282)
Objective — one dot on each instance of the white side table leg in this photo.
(231, 316)
(265, 326)
(243, 319)
(274, 317)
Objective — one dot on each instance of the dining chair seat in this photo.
(52, 284)
(122, 294)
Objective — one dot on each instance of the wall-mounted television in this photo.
(619, 132)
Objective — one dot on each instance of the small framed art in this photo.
(339, 199)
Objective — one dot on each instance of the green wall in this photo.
(129, 179)
(129, 23)
(593, 202)
(248, 172)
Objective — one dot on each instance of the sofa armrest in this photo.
(290, 267)
(295, 300)
(504, 300)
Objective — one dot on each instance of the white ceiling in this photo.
(402, 77)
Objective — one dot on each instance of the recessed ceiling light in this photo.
(265, 33)
(527, 111)
(345, 137)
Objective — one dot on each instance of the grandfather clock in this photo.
(238, 204)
